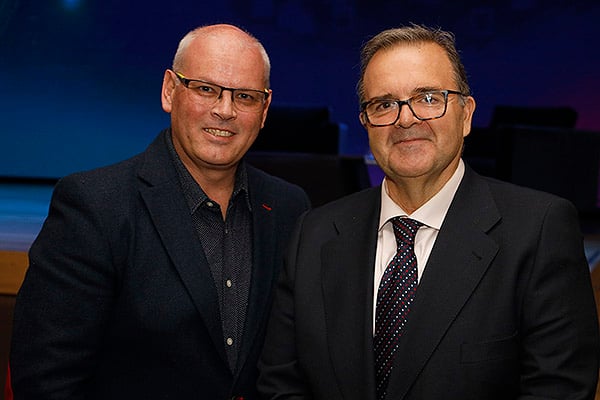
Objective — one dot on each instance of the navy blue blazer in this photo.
(504, 309)
(118, 301)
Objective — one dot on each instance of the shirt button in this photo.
(229, 341)
(228, 283)
(209, 203)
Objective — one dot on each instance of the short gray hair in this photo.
(413, 34)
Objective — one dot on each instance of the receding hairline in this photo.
(413, 35)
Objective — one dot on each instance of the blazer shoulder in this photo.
(149, 165)
(362, 206)
(487, 199)
(107, 179)
(272, 188)
(517, 194)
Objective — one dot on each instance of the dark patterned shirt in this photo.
(227, 246)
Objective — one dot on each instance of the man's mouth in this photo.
(218, 132)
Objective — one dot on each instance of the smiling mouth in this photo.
(218, 132)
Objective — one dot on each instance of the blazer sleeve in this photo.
(63, 305)
(560, 339)
(280, 377)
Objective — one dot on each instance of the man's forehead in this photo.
(418, 66)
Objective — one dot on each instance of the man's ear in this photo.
(266, 108)
(468, 110)
(166, 94)
(363, 120)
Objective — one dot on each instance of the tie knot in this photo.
(405, 229)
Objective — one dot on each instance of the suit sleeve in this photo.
(560, 325)
(280, 377)
(63, 305)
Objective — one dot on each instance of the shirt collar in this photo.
(194, 194)
(433, 212)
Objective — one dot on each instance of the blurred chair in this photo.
(325, 177)
(299, 129)
(550, 117)
(565, 162)
(301, 144)
(485, 145)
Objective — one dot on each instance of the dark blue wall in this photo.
(80, 79)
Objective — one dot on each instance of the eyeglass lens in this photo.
(424, 106)
(208, 93)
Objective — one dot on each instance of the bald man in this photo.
(152, 278)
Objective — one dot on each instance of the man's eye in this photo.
(245, 96)
(383, 105)
(430, 98)
(206, 89)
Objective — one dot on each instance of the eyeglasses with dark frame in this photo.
(245, 100)
(428, 105)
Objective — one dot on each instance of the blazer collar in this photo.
(265, 258)
(169, 211)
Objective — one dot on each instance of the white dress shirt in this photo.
(430, 214)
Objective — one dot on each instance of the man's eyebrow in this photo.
(425, 89)
(386, 96)
(414, 92)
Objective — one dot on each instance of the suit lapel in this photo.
(169, 212)
(264, 244)
(347, 276)
(460, 257)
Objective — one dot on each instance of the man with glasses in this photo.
(487, 294)
(152, 278)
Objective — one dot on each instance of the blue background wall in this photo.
(80, 79)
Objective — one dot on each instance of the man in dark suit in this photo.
(152, 278)
(503, 308)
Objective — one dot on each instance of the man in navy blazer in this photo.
(152, 278)
(504, 307)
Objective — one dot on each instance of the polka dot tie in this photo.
(396, 292)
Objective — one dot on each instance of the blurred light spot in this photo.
(71, 4)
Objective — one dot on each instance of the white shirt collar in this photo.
(431, 213)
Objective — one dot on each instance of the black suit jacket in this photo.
(504, 309)
(119, 302)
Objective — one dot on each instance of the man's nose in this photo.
(406, 117)
(224, 107)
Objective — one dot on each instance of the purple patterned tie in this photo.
(396, 292)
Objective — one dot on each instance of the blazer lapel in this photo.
(458, 261)
(168, 211)
(347, 276)
(264, 245)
